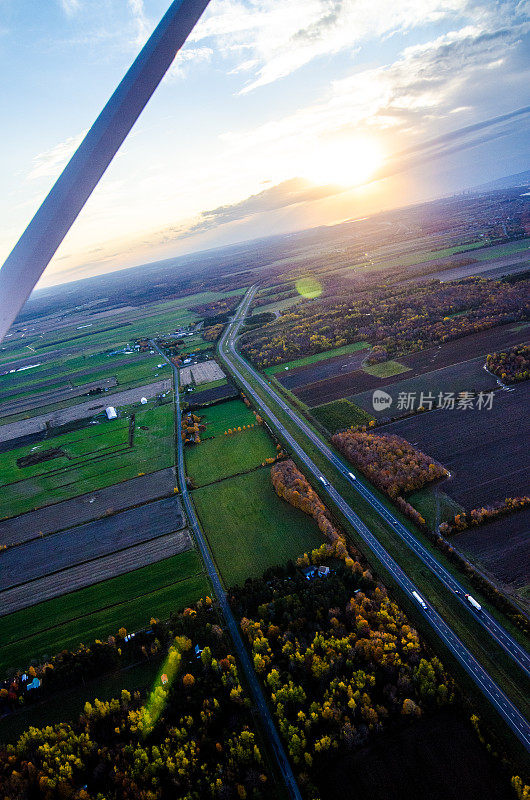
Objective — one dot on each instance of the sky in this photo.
(276, 115)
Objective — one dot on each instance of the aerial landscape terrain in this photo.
(264, 400)
(209, 523)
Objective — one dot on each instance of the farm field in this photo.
(210, 385)
(352, 383)
(337, 352)
(279, 305)
(86, 507)
(488, 268)
(95, 612)
(92, 540)
(467, 376)
(485, 450)
(247, 537)
(218, 458)
(64, 413)
(204, 372)
(213, 394)
(386, 369)
(80, 371)
(100, 457)
(501, 548)
(221, 417)
(80, 575)
(30, 401)
(117, 333)
(479, 250)
(340, 414)
(335, 367)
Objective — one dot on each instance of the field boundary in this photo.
(92, 560)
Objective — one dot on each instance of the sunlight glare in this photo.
(348, 162)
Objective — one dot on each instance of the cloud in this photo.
(70, 6)
(455, 141)
(467, 132)
(288, 193)
(51, 162)
(274, 39)
(293, 192)
(405, 102)
(143, 27)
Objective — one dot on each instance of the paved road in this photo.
(494, 694)
(250, 675)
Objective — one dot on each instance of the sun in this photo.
(346, 162)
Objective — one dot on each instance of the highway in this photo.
(508, 711)
(258, 698)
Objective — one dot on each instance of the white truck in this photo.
(473, 602)
(352, 476)
(420, 599)
(324, 481)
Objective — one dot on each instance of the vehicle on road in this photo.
(473, 602)
(420, 599)
(324, 481)
(352, 476)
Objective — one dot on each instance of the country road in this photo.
(258, 698)
(239, 367)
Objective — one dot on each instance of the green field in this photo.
(97, 611)
(301, 362)
(487, 253)
(385, 369)
(278, 305)
(112, 332)
(218, 458)
(127, 377)
(98, 456)
(419, 256)
(497, 251)
(202, 387)
(340, 414)
(221, 417)
(82, 369)
(250, 528)
(434, 506)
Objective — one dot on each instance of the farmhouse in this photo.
(316, 572)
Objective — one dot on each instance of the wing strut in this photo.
(39, 242)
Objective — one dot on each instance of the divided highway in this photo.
(258, 698)
(508, 711)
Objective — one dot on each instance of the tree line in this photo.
(394, 318)
(511, 366)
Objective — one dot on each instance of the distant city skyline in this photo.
(276, 116)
